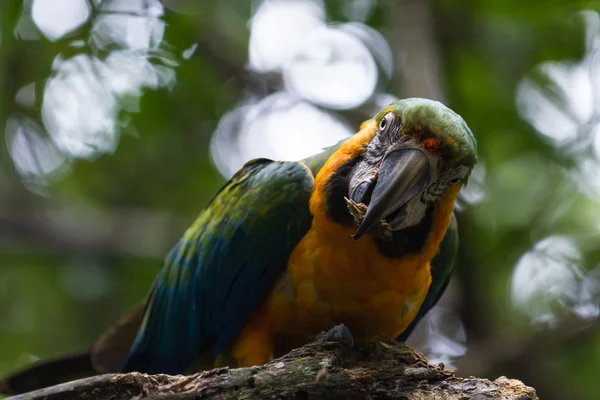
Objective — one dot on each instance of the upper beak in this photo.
(403, 174)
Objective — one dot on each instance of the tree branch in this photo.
(127, 231)
(327, 370)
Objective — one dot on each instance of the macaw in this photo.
(362, 234)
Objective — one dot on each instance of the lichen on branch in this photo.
(389, 370)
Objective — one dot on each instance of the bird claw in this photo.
(339, 333)
(382, 230)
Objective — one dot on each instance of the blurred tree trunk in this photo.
(329, 370)
(417, 64)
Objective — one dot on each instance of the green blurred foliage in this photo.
(161, 175)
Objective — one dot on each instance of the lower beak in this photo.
(403, 175)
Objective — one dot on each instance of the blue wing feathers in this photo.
(224, 265)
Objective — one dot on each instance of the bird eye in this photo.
(454, 181)
(385, 121)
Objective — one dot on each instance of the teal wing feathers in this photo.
(316, 162)
(223, 266)
(442, 266)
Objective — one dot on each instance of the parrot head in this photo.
(419, 149)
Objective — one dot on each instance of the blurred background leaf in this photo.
(121, 118)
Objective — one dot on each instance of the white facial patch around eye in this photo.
(452, 176)
(447, 177)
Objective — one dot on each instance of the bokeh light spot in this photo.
(441, 336)
(549, 280)
(56, 18)
(333, 69)
(276, 29)
(35, 157)
(280, 127)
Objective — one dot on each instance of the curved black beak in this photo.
(403, 174)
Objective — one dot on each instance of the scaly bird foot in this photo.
(382, 230)
(339, 333)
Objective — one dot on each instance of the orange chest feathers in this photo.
(331, 278)
(335, 279)
(342, 281)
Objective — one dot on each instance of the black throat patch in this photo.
(411, 239)
(405, 241)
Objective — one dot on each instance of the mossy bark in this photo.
(388, 370)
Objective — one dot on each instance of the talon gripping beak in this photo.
(403, 174)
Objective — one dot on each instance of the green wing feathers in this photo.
(213, 278)
(224, 265)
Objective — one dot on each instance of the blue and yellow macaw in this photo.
(362, 234)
